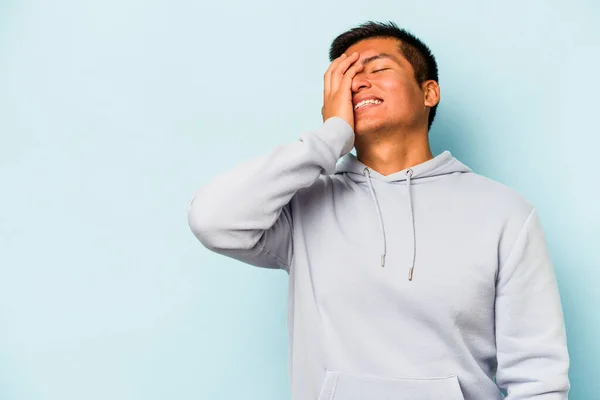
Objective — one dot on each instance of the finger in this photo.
(346, 83)
(338, 73)
(337, 76)
(327, 76)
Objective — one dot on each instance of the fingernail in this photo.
(344, 55)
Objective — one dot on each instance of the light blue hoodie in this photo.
(482, 303)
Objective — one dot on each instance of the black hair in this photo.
(413, 49)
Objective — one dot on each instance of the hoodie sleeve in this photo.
(245, 213)
(533, 360)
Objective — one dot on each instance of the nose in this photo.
(360, 82)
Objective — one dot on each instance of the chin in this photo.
(365, 127)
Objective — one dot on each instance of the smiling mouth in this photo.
(367, 103)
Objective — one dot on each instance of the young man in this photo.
(411, 277)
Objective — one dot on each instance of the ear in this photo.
(431, 93)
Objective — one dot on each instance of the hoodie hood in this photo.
(443, 164)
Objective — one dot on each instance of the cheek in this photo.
(400, 95)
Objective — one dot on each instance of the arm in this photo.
(245, 213)
(533, 360)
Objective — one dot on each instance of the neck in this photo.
(394, 152)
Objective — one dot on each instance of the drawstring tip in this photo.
(383, 260)
(410, 273)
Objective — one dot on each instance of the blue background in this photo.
(113, 112)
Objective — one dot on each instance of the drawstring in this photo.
(412, 223)
(381, 229)
(409, 174)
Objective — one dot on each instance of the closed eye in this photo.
(381, 69)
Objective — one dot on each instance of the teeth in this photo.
(365, 102)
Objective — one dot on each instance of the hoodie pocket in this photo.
(356, 386)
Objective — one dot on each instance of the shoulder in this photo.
(501, 208)
(493, 195)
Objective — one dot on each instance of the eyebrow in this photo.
(377, 57)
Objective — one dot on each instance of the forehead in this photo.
(370, 47)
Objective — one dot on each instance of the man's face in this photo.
(388, 77)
